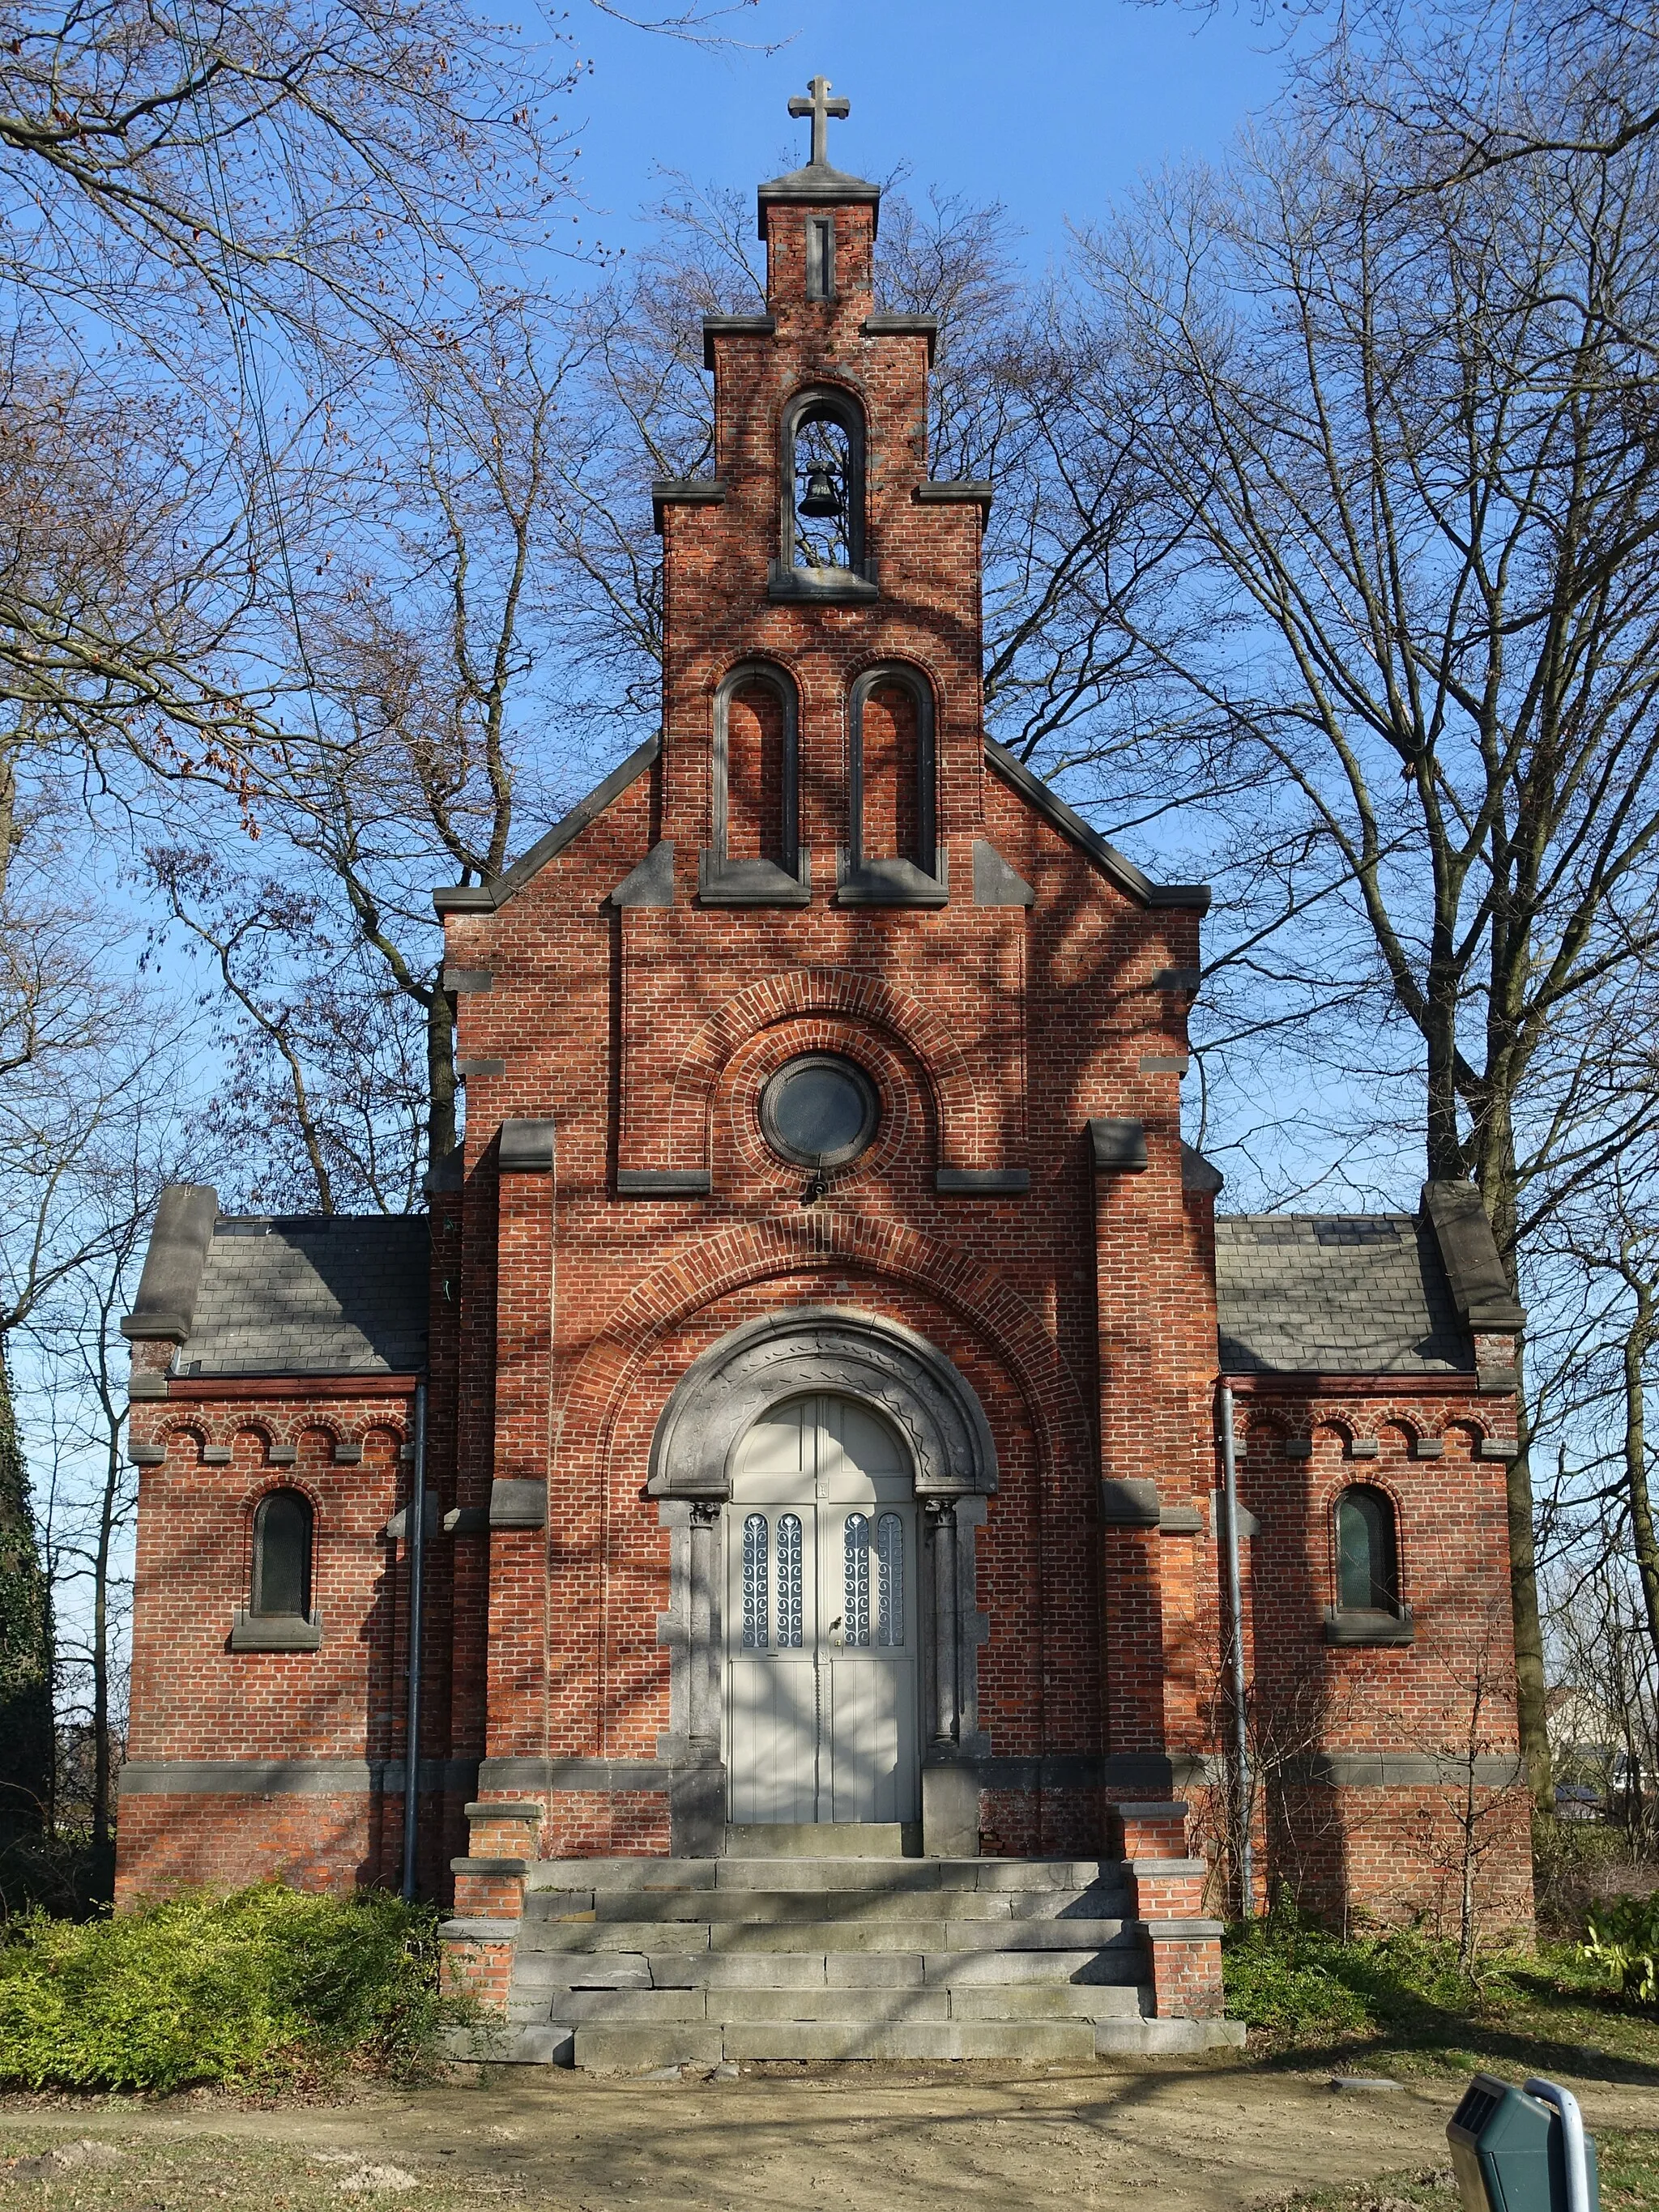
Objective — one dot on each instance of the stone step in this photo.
(637, 2007)
(810, 1839)
(788, 1873)
(1115, 1963)
(635, 2047)
(548, 1938)
(1165, 2038)
(554, 1906)
(836, 1970)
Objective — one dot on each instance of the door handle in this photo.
(834, 1629)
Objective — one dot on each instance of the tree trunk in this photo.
(440, 1074)
(1495, 1174)
(1639, 1338)
(1531, 1711)
(101, 1747)
(27, 1762)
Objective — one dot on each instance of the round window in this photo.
(819, 1111)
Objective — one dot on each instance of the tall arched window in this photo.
(756, 857)
(891, 857)
(1367, 1553)
(822, 499)
(282, 1557)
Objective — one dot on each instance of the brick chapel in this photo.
(791, 1440)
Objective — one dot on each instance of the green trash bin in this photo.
(1522, 2150)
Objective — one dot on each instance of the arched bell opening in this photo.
(822, 470)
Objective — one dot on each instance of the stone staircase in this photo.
(651, 1962)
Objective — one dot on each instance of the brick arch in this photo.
(280, 1478)
(836, 991)
(787, 1243)
(189, 1428)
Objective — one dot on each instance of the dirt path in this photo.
(880, 2139)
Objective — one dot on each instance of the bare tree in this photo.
(1406, 438)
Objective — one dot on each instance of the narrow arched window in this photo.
(755, 859)
(822, 499)
(282, 1528)
(1367, 1553)
(891, 857)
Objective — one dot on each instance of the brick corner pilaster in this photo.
(1184, 1968)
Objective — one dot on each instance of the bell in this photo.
(820, 498)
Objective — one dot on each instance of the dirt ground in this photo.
(881, 2139)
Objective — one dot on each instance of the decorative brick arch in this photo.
(793, 993)
(731, 1259)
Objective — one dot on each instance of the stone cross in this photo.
(820, 107)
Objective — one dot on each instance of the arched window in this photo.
(891, 857)
(282, 1557)
(756, 857)
(1367, 1555)
(821, 519)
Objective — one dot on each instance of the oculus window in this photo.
(819, 1111)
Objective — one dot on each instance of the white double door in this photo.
(822, 1627)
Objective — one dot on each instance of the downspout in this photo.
(416, 1527)
(1236, 1627)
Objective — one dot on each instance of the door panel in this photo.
(822, 1620)
(773, 1724)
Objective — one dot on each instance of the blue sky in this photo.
(1054, 109)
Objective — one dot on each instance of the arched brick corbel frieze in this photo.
(827, 991)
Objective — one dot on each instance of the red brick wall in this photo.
(1448, 1696)
(195, 1699)
(1083, 1313)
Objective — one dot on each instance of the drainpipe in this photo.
(417, 1525)
(1235, 1610)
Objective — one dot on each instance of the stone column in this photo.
(945, 1714)
(949, 1791)
(698, 1793)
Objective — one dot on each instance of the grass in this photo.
(264, 1988)
(1627, 2161)
(1401, 1997)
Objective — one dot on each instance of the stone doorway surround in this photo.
(801, 1350)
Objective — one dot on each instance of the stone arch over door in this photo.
(896, 1371)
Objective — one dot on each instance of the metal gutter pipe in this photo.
(417, 1528)
(1236, 1625)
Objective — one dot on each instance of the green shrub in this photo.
(1624, 1942)
(1303, 1984)
(1277, 1976)
(252, 1987)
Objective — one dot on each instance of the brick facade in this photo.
(617, 1212)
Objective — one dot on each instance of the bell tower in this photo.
(821, 722)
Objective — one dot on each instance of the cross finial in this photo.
(820, 107)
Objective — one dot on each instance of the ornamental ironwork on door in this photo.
(821, 1690)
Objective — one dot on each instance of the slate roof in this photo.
(312, 1295)
(1335, 1294)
